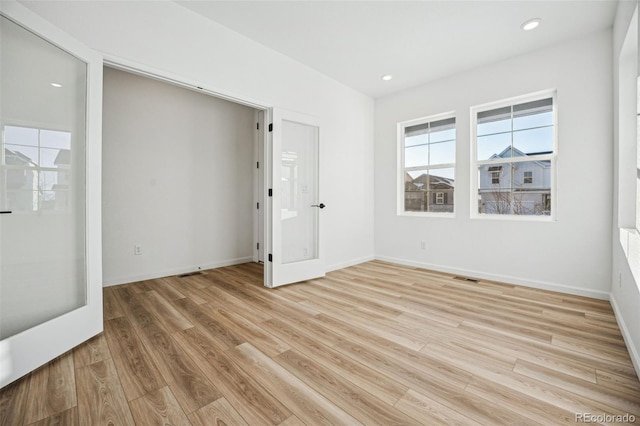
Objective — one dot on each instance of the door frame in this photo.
(25, 351)
(259, 203)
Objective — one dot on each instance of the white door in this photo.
(50, 258)
(295, 243)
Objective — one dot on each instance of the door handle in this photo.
(321, 205)
(5, 212)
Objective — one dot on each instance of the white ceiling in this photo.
(356, 42)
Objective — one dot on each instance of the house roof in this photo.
(19, 158)
(434, 181)
(510, 152)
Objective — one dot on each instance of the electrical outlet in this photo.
(423, 245)
(137, 250)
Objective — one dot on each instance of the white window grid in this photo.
(475, 163)
(402, 169)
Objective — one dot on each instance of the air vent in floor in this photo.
(473, 280)
(190, 274)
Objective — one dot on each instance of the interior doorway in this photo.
(183, 182)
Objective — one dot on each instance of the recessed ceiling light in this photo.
(56, 84)
(387, 77)
(531, 24)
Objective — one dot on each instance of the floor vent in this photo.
(472, 280)
(190, 274)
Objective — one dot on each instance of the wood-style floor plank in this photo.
(167, 315)
(379, 385)
(625, 401)
(307, 404)
(111, 306)
(354, 400)
(375, 343)
(254, 403)
(219, 412)
(101, 400)
(52, 389)
(66, 418)
(428, 411)
(13, 402)
(192, 389)
(93, 350)
(158, 408)
(138, 372)
(292, 421)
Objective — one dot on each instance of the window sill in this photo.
(428, 214)
(514, 218)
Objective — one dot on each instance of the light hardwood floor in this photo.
(373, 344)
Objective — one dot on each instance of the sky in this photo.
(531, 133)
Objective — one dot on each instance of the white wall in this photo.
(571, 254)
(177, 179)
(625, 290)
(169, 38)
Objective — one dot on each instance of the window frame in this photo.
(401, 169)
(475, 163)
(529, 177)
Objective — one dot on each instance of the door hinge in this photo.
(258, 206)
(270, 192)
(257, 126)
(271, 127)
(270, 258)
(257, 164)
(257, 246)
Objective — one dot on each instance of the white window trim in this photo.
(474, 163)
(401, 169)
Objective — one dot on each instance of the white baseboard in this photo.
(632, 347)
(500, 278)
(353, 262)
(107, 282)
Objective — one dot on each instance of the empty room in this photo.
(319, 212)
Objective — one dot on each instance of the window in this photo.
(528, 177)
(35, 169)
(638, 156)
(513, 141)
(427, 164)
(637, 152)
(495, 174)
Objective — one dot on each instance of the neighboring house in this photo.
(428, 193)
(30, 187)
(21, 181)
(515, 187)
(61, 187)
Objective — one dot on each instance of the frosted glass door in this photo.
(296, 205)
(44, 253)
(42, 240)
(299, 174)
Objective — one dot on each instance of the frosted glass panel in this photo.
(299, 175)
(42, 180)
